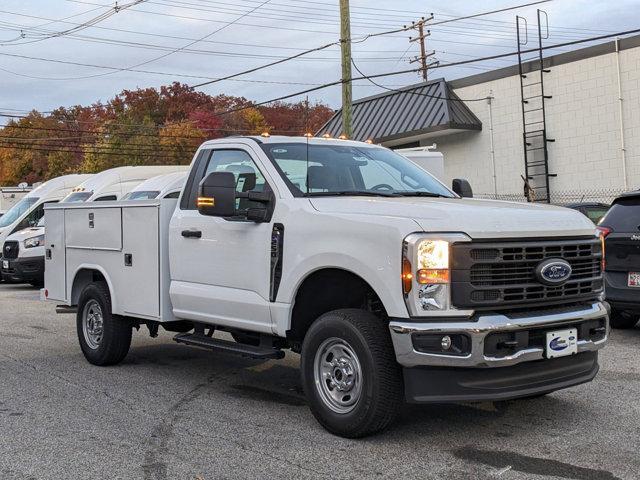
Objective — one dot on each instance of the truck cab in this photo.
(389, 285)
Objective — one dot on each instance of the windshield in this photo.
(17, 211)
(343, 170)
(145, 195)
(77, 197)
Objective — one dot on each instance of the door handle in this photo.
(192, 234)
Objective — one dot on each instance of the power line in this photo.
(129, 134)
(444, 65)
(112, 11)
(440, 97)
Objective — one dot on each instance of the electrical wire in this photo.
(89, 23)
(420, 94)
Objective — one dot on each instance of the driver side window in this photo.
(247, 175)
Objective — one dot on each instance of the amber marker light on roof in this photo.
(265, 134)
(308, 134)
(369, 141)
(326, 135)
(342, 137)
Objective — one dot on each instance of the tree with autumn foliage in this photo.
(145, 126)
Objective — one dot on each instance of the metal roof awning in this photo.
(409, 114)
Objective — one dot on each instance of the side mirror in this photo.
(462, 187)
(217, 195)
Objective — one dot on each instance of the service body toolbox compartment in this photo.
(121, 238)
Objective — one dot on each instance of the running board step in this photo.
(199, 340)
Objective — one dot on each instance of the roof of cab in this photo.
(59, 183)
(287, 139)
(627, 195)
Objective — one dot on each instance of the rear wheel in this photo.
(622, 320)
(350, 375)
(104, 338)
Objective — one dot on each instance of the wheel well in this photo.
(330, 289)
(83, 278)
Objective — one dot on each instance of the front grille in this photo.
(10, 250)
(496, 275)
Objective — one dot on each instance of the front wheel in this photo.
(104, 338)
(350, 375)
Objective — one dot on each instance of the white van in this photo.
(162, 186)
(28, 212)
(113, 184)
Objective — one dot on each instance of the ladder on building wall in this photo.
(534, 128)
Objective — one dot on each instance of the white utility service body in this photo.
(113, 184)
(312, 264)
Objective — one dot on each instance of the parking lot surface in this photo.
(175, 412)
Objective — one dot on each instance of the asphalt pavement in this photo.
(175, 412)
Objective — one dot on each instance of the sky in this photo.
(159, 39)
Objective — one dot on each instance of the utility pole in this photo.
(424, 56)
(345, 47)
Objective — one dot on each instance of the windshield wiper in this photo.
(355, 193)
(422, 194)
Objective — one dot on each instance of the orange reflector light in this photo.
(342, 137)
(326, 135)
(433, 275)
(369, 141)
(265, 134)
(206, 202)
(407, 276)
(308, 134)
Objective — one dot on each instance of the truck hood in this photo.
(475, 217)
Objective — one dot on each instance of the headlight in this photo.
(34, 242)
(427, 287)
(433, 262)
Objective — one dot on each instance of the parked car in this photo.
(593, 210)
(27, 250)
(388, 284)
(28, 212)
(620, 229)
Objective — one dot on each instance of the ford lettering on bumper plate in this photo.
(562, 343)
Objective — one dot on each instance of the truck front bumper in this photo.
(515, 342)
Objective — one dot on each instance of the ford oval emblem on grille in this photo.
(553, 271)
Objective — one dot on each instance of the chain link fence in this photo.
(563, 197)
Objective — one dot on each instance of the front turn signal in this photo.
(433, 275)
(407, 276)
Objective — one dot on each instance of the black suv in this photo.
(620, 228)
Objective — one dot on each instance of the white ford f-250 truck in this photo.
(389, 285)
